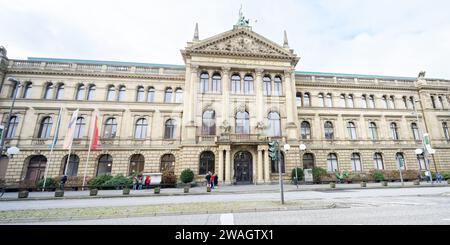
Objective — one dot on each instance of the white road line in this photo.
(226, 219)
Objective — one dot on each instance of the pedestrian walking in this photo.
(135, 182)
(439, 177)
(208, 179)
(147, 182)
(212, 181)
(216, 180)
(140, 182)
(63, 181)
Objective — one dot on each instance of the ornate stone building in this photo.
(236, 92)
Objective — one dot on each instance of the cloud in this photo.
(349, 36)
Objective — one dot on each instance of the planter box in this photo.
(416, 182)
(157, 190)
(23, 194)
(186, 189)
(363, 184)
(93, 192)
(208, 189)
(126, 191)
(448, 181)
(384, 183)
(332, 185)
(59, 193)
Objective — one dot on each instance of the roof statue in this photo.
(242, 21)
(422, 74)
(2, 51)
(196, 36)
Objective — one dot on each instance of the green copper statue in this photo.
(242, 21)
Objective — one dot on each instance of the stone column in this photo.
(220, 165)
(260, 177)
(225, 94)
(266, 166)
(259, 95)
(190, 106)
(291, 127)
(228, 179)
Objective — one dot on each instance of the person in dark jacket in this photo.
(63, 181)
(216, 179)
(208, 179)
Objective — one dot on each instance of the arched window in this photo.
(298, 98)
(60, 92)
(329, 101)
(440, 102)
(45, 128)
(356, 162)
(110, 128)
(421, 161)
(111, 93)
(305, 130)
(207, 163)
(248, 84)
(137, 162)
(140, 96)
(329, 131)
(364, 101)
(415, 131)
(321, 100)
(167, 163)
(151, 95)
(373, 131)
(122, 91)
(79, 128)
(351, 130)
(274, 128)
(342, 101)
(242, 123)
(433, 101)
(277, 86)
(14, 90)
(91, 92)
(267, 86)
(391, 102)
(405, 102)
(378, 161)
(371, 101)
(13, 124)
(332, 163)
(350, 102)
(178, 95)
(36, 168)
(27, 90)
(80, 92)
(140, 131)
(169, 131)
(204, 81)
(209, 123)
(308, 161)
(446, 132)
(400, 160)
(306, 100)
(385, 102)
(394, 131)
(235, 84)
(72, 170)
(216, 82)
(48, 94)
(168, 95)
(274, 164)
(104, 165)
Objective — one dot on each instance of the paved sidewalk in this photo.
(201, 190)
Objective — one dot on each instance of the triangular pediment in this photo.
(241, 41)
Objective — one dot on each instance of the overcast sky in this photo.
(382, 37)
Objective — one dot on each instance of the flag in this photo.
(95, 132)
(70, 130)
(58, 124)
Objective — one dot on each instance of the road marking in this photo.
(446, 219)
(226, 219)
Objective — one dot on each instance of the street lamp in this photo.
(10, 112)
(302, 148)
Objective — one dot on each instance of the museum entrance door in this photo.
(243, 172)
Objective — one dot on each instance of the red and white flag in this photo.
(95, 132)
(70, 130)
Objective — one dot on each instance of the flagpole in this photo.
(93, 119)
(74, 118)
(55, 137)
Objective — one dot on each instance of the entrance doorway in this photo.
(36, 168)
(243, 172)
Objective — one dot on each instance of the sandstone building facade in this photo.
(236, 92)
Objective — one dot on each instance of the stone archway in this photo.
(243, 167)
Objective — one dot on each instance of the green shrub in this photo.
(118, 181)
(446, 175)
(319, 173)
(187, 176)
(299, 174)
(99, 180)
(49, 183)
(378, 175)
